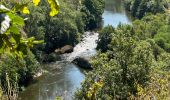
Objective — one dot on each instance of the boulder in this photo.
(65, 49)
(82, 62)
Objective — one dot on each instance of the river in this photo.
(63, 77)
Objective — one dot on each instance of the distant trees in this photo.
(93, 10)
(149, 26)
(57, 31)
(140, 8)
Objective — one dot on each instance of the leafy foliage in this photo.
(139, 8)
(64, 29)
(57, 31)
(149, 26)
(93, 10)
(129, 61)
(133, 61)
(163, 38)
(16, 68)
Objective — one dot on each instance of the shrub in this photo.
(105, 36)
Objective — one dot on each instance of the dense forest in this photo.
(132, 61)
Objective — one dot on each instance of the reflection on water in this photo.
(62, 80)
(115, 13)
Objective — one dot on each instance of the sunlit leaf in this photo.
(14, 30)
(36, 2)
(25, 10)
(17, 20)
(54, 5)
(38, 42)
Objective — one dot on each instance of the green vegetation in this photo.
(57, 31)
(67, 27)
(140, 8)
(93, 10)
(18, 36)
(133, 60)
(148, 27)
(15, 73)
(131, 63)
(17, 63)
(105, 38)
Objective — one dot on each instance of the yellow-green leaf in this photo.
(25, 10)
(36, 2)
(54, 5)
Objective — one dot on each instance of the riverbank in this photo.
(64, 77)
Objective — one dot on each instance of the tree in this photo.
(128, 62)
(93, 10)
(105, 36)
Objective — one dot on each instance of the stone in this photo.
(65, 49)
(82, 63)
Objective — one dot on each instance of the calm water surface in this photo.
(63, 78)
(115, 13)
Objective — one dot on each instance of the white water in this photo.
(86, 48)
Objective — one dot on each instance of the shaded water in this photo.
(63, 77)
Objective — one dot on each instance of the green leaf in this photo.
(31, 39)
(14, 29)
(38, 42)
(54, 5)
(17, 20)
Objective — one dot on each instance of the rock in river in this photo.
(82, 62)
(65, 49)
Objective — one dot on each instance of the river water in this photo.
(63, 77)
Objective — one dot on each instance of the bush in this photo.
(20, 71)
(105, 36)
(163, 38)
(139, 8)
(128, 61)
(62, 29)
(131, 68)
